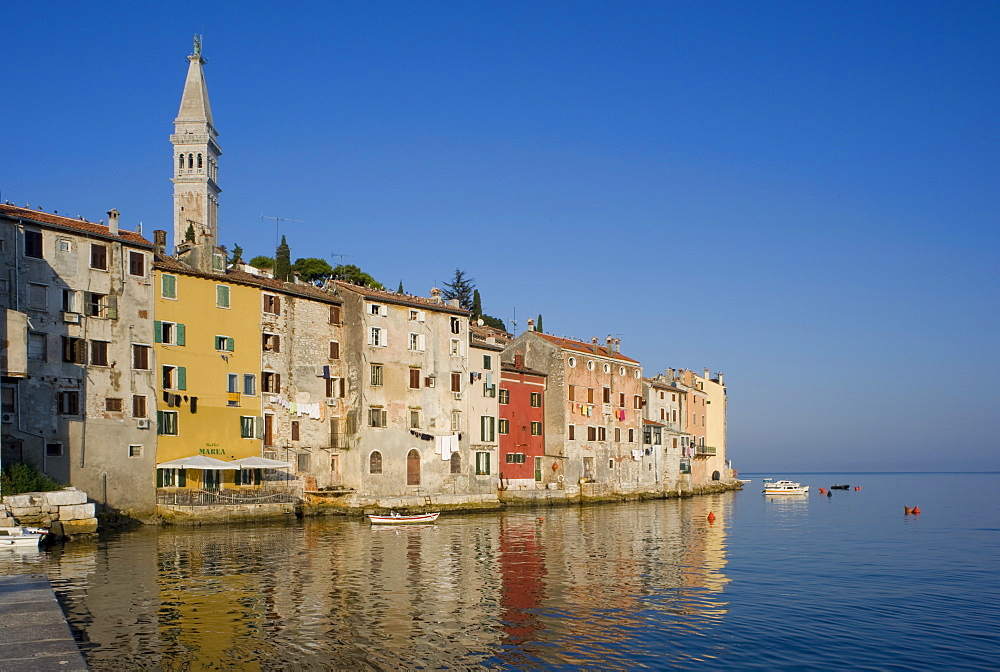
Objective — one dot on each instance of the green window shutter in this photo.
(230, 344)
(182, 479)
(112, 307)
(259, 434)
(180, 334)
(157, 331)
(159, 478)
(482, 427)
(181, 377)
(159, 422)
(257, 473)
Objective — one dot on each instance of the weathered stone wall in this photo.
(64, 512)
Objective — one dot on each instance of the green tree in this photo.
(538, 324)
(494, 322)
(237, 256)
(312, 269)
(283, 261)
(460, 288)
(477, 304)
(400, 290)
(189, 234)
(262, 262)
(354, 275)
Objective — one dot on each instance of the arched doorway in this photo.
(413, 467)
(716, 475)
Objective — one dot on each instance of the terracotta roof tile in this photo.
(400, 299)
(511, 368)
(241, 277)
(77, 225)
(580, 346)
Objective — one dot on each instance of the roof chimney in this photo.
(160, 242)
(593, 344)
(610, 342)
(113, 221)
(436, 294)
(531, 324)
(719, 374)
(708, 374)
(519, 360)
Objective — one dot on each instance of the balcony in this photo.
(705, 451)
(233, 399)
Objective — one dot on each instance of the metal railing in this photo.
(706, 450)
(186, 497)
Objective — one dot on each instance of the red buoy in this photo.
(856, 488)
(916, 510)
(822, 490)
(711, 517)
(907, 510)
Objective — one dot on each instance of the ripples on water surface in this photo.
(796, 583)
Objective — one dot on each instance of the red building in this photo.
(522, 425)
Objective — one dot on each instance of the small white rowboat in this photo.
(396, 519)
(21, 537)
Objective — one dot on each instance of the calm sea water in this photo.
(805, 583)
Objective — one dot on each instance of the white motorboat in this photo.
(21, 537)
(785, 488)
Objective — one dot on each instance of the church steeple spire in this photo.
(196, 159)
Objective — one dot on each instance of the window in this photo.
(621, 399)
(53, 450)
(618, 433)
(377, 337)
(647, 434)
(590, 395)
(69, 402)
(336, 387)
(416, 315)
(233, 383)
(515, 458)
(302, 462)
(270, 342)
(572, 362)
(99, 256)
(456, 325)
(168, 286)
(37, 346)
(270, 382)
(140, 357)
(572, 392)
(334, 350)
(487, 362)
(249, 384)
(166, 423)
(99, 353)
(487, 428)
(295, 430)
(482, 464)
(417, 342)
(272, 304)
(170, 333)
(456, 421)
(225, 343)
(504, 396)
(414, 418)
(637, 401)
(100, 305)
(456, 347)
(504, 427)
(571, 434)
(621, 370)
(136, 263)
(113, 405)
(414, 379)
(138, 406)
(38, 296)
(334, 314)
(489, 390)
(536, 428)
(171, 478)
(135, 451)
(376, 377)
(33, 244)
(70, 302)
(592, 433)
(375, 463)
(606, 397)
(536, 399)
(222, 296)
(74, 350)
(376, 309)
(456, 463)
(377, 417)
(590, 365)
(174, 377)
(602, 433)
(611, 463)
(631, 435)
(456, 381)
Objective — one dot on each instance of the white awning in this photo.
(261, 463)
(197, 462)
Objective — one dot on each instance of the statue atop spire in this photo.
(197, 45)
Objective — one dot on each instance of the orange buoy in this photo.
(907, 510)
(711, 517)
(916, 510)
(856, 488)
(822, 490)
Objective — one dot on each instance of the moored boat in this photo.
(21, 537)
(843, 486)
(785, 488)
(397, 519)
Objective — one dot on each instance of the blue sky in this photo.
(801, 195)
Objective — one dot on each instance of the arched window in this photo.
(190, 160)
(199, 161)
(456, 463)
(180, 162)
(716, 475)
(413, 467)
(375, 463)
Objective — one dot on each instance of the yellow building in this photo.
(208, 368)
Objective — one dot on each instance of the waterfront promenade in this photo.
(34, 634)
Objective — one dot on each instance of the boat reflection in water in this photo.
(556, 586)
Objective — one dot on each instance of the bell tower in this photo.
(196, 160)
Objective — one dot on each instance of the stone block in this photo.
(20, 501)
(66, 497)
(76, 512)
(68, 528)
(25, 511)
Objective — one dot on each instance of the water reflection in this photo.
(602, 586)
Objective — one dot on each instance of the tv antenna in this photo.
(340, 257)
(277, 223)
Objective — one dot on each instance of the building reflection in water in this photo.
(589, 586)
